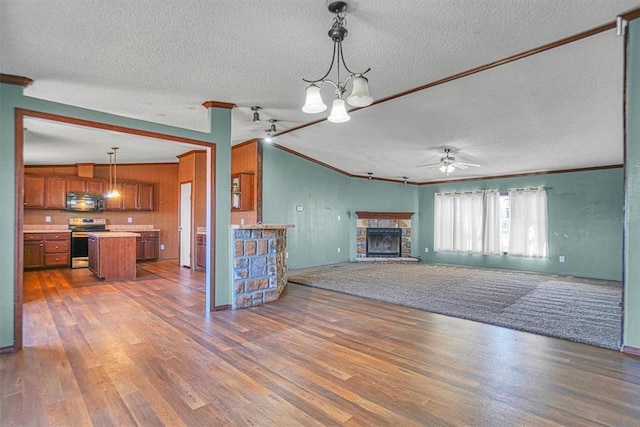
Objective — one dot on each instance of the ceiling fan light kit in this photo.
(448, 164)
(359, 96)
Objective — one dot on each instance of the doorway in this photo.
(20, 116)
(185, 225)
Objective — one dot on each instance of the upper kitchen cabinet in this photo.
(45, 192)
(114, 203)
(55, 192)
(34, 191)
(138, 197)
(84, 185)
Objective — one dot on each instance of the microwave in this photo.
(85, 202)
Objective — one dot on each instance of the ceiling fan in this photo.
(448, 164)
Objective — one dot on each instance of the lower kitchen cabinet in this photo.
(201, 252)
(33, 251)
(46, 250)
(147, 246)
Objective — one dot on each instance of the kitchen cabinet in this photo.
(50, 192)
(147, 246)
(55, 192)
(57, 249)
(33, 251)
(242, 191)
(138, 196)
(85, 185)
(34, 190)
(112, 255)
(46, 250)
(114, 203)
(201, 252)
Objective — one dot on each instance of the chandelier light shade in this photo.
(314, 102)
(359, 96)
(339, 112)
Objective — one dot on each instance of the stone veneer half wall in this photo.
(259, 263)
(366, 220)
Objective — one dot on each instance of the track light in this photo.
(256, 113)
(271, 131)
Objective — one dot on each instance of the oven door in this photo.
(79, 249)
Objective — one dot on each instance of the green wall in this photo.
(585, 224)
(325, 196)
(632, 186)
(585, 216)
(11, 97)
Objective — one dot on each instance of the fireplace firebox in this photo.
(384, 242)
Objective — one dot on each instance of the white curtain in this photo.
(458, 222)
(492, 232)
(528, 231)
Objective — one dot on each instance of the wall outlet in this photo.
(561, 258)
(162, 247)
(47, 218)
(426, 250)
(299, 208)
(338, 217)
(338, 250)
(286, 255)
(129, 219)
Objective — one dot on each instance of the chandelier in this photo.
(359, 96)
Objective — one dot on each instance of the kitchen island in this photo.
(112, 254)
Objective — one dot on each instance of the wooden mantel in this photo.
(384, 215)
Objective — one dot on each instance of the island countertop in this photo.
(260, 226)
(112, 234)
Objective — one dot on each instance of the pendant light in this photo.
(113, 191)
(359, 96)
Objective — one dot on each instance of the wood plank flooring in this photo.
(145, 353)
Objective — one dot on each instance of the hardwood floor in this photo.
(144, 352)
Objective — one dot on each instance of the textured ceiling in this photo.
(159, 61)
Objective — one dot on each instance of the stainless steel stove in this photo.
(80, 239)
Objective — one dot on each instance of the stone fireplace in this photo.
(383, 236)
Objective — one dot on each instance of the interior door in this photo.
(185, 224)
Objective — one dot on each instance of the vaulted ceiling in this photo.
(560, 108)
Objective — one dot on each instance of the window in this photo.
(505, 219)
(528, 222)
(459, 224)
(492, 223)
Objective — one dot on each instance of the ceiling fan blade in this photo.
(428, 165)
(463, 165)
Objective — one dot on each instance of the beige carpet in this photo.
(582, 310)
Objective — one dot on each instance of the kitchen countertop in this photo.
(112, 234)
(45, 228)
(129, 227)
(260, 226)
